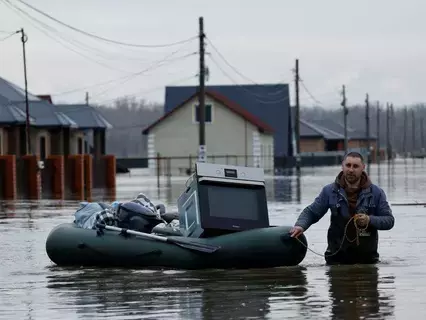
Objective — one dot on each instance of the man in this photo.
(358, 210)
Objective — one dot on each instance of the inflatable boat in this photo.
(223, 223)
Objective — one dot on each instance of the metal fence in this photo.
(184, 166)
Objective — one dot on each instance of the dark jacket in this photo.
(371, 201)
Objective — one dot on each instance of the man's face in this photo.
(352, 169)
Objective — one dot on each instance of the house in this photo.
(91, 123)
(48, 121)
(11, 117)
(269, 103)
(233, 135)
(314, 138)
(53, 129)
(328, 135)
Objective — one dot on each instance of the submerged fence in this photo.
(183, 166)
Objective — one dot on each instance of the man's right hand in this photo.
(296, 231)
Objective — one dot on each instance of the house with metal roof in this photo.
(326, 135)
(233, 134)
(270, 103)
(10, 117)
(49, 127)
(92, 125)
(54, 129)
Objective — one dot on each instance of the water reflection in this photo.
(236, 294)
(354, 293)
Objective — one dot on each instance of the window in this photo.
(208, 117)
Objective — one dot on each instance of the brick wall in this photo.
(312, 145)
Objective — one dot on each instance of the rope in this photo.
(345, 236)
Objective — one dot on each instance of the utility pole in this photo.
(345, 117)
(413, 133)
(367, 126)
(87, 98)
(404, 139)
(24, 39)
(297, 116)
(392, 129)
(388, 147)
(378, 132)
(201, 97)
(422, 136)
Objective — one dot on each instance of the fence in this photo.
(184, 166)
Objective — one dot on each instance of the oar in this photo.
(184, 243)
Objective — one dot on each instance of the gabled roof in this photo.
(308, 129)
(86, 116)
(236, 108)
(44, 113)
(269, 103)
(11, 114)
(47, 115)
(339, 128)
(12, 92)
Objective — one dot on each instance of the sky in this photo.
(375, 47)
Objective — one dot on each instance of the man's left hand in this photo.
(362, 220)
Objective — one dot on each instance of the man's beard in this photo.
(352, 179)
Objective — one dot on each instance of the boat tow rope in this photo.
(345, 237)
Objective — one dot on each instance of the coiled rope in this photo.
(345, 237)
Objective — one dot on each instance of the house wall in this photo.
(36, 135)
(267, 152)
(229, 138)
(3, 141)
(74, 141)
(312, 145)
(361, 144)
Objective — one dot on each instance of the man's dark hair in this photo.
(354, 154)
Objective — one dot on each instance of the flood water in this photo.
(32, 287)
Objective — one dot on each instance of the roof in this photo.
(11, 114)
(47, 115)
(12, 92)
(44, 113)
(86, 116)
(339, 128)
(309, 129)
(45, 97)
(267, 102)
(236, 108)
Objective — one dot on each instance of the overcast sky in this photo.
(370, 46)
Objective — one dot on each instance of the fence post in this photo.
(158, 170)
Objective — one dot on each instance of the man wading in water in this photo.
(358, 210)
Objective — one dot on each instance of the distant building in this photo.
(53, 129)
(328, 135)
(233, 135)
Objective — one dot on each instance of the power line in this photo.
(237, 71)
(78, 44)
(10, 35)
(229, 64)
(154, 66)
(28, 17)
(103, 38)
(308, 92)
(257, 96)
(178, 81)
